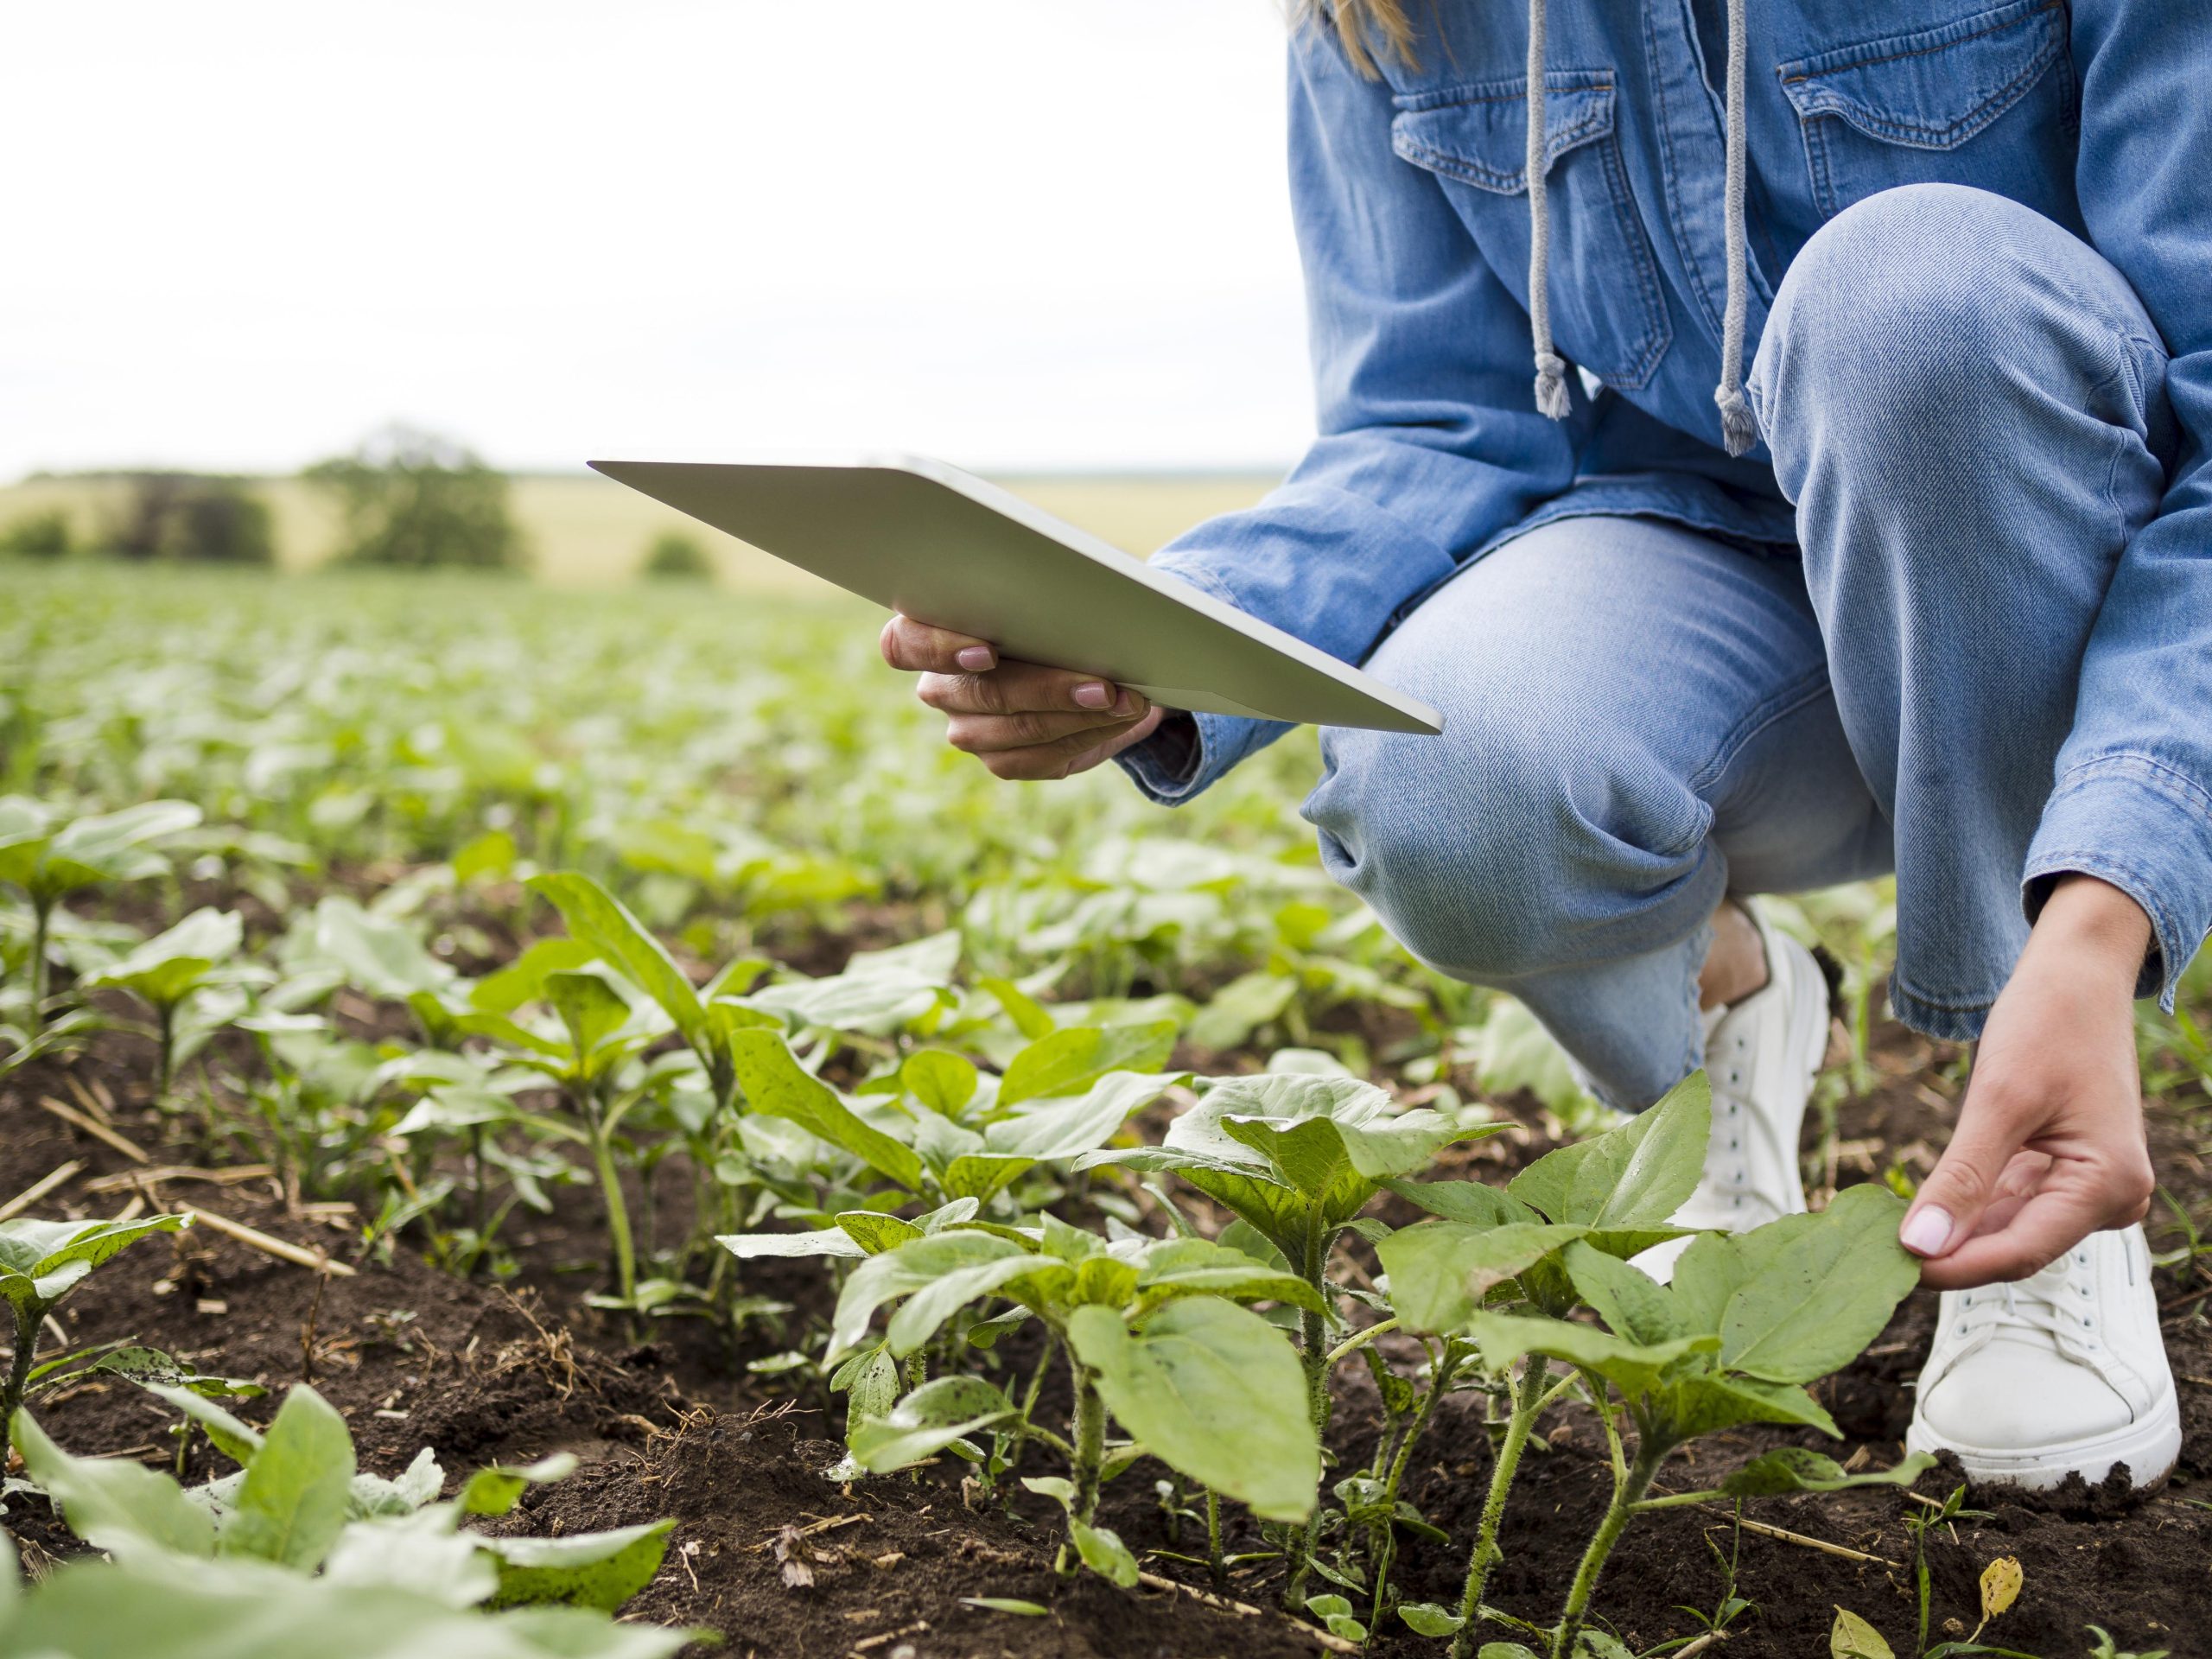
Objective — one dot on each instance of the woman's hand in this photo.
(1020, 719)
(2049, 1146)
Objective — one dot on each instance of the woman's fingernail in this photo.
(1128, 704)
(1093, 693)
(1927, 1230)
(974, 659)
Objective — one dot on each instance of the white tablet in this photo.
(933, 543)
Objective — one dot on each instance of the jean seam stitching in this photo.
(2136, 767)
(1807, 688)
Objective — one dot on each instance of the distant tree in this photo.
(39, 536)
(412, 498)
(192, 516)
(675, 555)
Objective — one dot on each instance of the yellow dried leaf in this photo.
(1853, 1638)
(2000, 1586)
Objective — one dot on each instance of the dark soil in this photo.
(785, 1562)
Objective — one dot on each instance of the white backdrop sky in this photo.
(1017, 233)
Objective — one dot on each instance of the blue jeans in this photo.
(1641, 719)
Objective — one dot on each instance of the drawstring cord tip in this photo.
(1738, 431)
(1551, 385)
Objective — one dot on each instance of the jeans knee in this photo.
(1921, 315)
(1512, 853)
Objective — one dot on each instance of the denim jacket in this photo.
(1411, 201)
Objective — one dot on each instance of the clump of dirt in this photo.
(782, 1561)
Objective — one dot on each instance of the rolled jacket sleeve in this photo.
(2132, 798)
(1429, 441)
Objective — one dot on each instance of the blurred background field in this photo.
(580, 530)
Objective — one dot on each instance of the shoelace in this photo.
(1727, 1190)
(2059, 1301)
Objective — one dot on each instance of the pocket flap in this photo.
(1479, 133)
(1935, 88)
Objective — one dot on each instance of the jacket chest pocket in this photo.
(1985, 100)
(1608, 312)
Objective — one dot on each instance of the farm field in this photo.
(868, 1209)
(581, 530)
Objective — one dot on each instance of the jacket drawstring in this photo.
(1739, 432)
(1551, 369)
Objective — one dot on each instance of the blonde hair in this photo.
(1363, 26)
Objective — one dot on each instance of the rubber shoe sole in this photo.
(2149, 1448)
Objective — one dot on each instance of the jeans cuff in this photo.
(2144, 828)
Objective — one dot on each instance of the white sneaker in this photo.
(1761, 1055)
(2061, 1373)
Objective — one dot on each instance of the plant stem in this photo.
(617, 1212)
(1359, 1340)
(1090, 1445)
(1029, 1397)
(1214, 1565)
(1528, 1397)
(1386, 1548)
(1090, 1459)
(1314, 1335)
(165, 1017)
(19, 1374)
(42, 915)
(1627, 1493)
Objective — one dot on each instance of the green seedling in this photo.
(49, 859)
(1919, 1525)
(1747, 1321)
(299, 1526)
(40, 1262)
(167, 970)
(1613, 1195)
(1296, 1157)
(1155, 1334)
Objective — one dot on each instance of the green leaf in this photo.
(1634, 1176)
(1027, 1013)
(777, 1085)
(930, 1305)
(294, 1499)
(1104, 1554)
(496, 1488)
(40, 1261)
(1005, 1605)
(1700, 1404)
(1812, 1305)
(940, 1081)
(1469, 1202)
(1633, 1368)
(598, 919)
(1060, 1129)
(927, 1420)
(236, 1440)
(1441, 1270)
(982, 1176)
(1794, 1468)
(1624, 1296)
(601, 1570)
(587, 1006)
(1853, 1638)
(1426, 1618)
(1240, 1007)
(823, 1241)
(1071, 1062)
(913, 1266)
(167, 968)
(1216, 1393)
(876, 1232)
(522, 980)
(1195, 1267)
(113, 1504)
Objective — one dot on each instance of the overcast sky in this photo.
(1016, 233)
